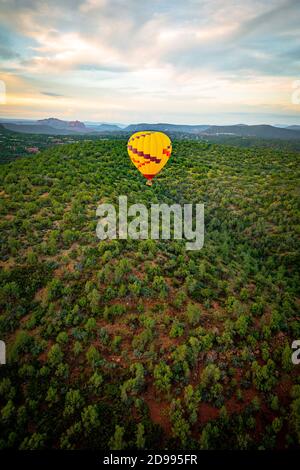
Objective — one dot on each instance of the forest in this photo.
(140, 344)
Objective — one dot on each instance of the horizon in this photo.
(117, 61)
(123, 125)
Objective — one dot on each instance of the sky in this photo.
(127, 61)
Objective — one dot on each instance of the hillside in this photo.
(59, 124)
(16, 145)
(142, 344)
(260, 131)
(53, 126)
(107, 128)
(239, 130)
(38, 129)
(165, 127)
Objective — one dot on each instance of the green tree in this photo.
(73, 402)
(55, 355)
(162, 377)
(117, 441)
(34, 442)
(180, 427)
(62, 338)
(8, 412)
(94, 299)
(140, 437)
(90, 419)
(93, 356)
(193, 314)
(55, 289)
(191, 401)
(286, 358)
(96, 381)
(211, 374)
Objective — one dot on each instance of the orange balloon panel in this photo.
(149, 152)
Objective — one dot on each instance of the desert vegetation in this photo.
(141, 344)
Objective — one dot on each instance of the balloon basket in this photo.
(149, 183)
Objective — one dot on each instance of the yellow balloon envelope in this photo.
(149, 152)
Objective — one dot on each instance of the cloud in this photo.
(122, 53)
(50, 93)
(6, 46)
(118, 35)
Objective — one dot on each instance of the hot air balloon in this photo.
(149, 152)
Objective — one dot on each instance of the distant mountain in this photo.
(97, 124)
(37, 129)
(49, 126)
(107, 128)
(262, 131)
(54, 126)
(76, 125)
(18, 121)
(293, 128)
(164, 127)
(59, 124)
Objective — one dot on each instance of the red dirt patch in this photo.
(207, 412)
(158, 409)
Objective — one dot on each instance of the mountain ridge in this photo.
(60, 124)
(54, 126)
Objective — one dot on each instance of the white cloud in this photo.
(149, 57)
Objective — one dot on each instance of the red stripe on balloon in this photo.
(147, 156)
(149, 177)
